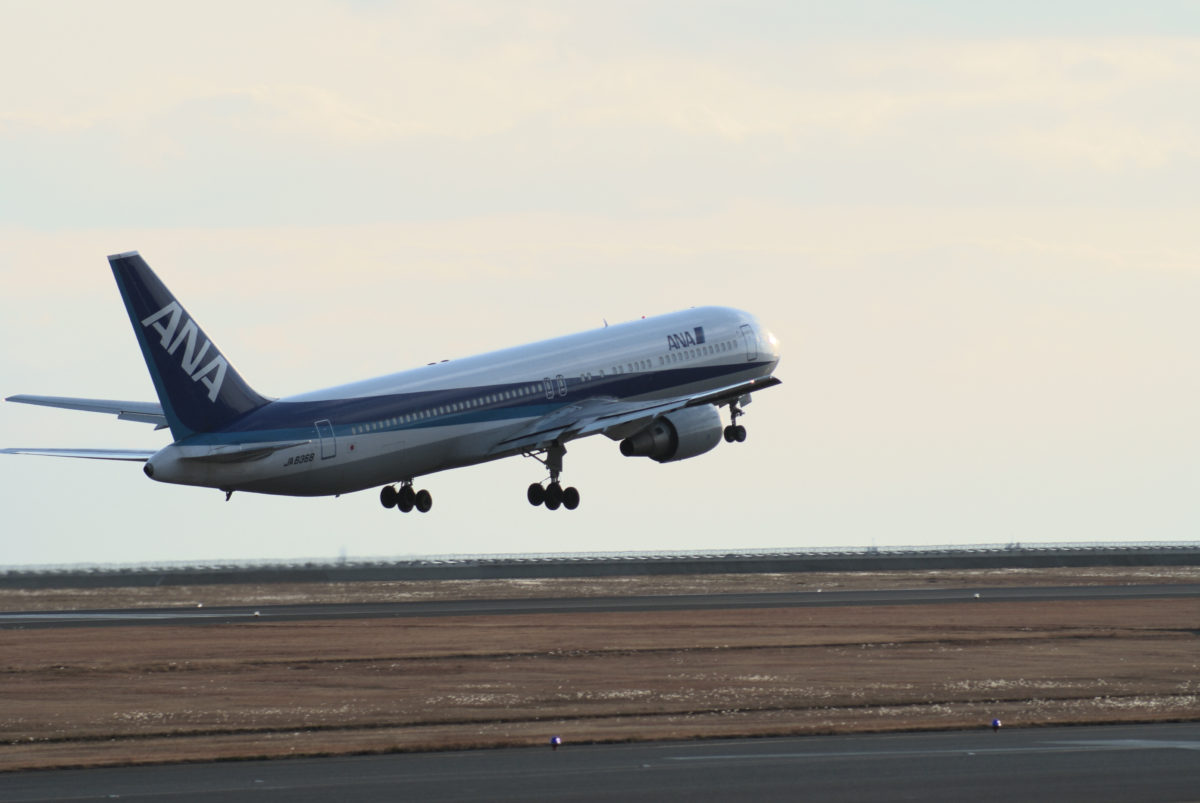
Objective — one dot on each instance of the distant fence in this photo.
(610, 564)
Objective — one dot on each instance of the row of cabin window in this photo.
(533, 390)
(457, 407)
(630, 367)
(687, 354)
(708, 351)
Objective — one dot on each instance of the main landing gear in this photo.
(405, 499)
(553, 496)
(735, 432)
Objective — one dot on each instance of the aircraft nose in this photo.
(771, 344)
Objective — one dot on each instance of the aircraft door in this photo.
(751, 342)
(328, 442)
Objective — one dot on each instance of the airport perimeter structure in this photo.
(530, 566)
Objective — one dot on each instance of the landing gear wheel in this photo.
(406, 499)
(570, 498)
(554, 496)
(387, 496)
(735, 432)
(424, 501)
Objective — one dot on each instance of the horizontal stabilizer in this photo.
(143, 412)
(134, 455)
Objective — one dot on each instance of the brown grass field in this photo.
(90, 696)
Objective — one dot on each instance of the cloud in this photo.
(346, 74)
(334, 113)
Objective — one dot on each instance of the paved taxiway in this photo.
(185, 616)
(1095, 764)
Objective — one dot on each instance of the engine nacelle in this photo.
(676, 436)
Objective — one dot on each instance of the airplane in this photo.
(655, 384)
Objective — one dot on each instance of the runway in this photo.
(205, 615)
(1095, 764)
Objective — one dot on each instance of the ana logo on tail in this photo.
(212, 375)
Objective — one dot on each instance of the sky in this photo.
(973, 227)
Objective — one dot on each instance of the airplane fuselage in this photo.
(461, 412)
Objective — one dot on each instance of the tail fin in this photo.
(199, 390)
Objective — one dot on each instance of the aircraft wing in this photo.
(143, 412)
(135, 455)
(616, 419)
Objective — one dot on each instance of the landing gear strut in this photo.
(405, 498)
(553, 496)
(735, 432)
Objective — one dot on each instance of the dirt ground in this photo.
(108, 695)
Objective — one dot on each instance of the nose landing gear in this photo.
(405, 498)
(735, 432)
(553, 496)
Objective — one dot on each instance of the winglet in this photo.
(199, 390)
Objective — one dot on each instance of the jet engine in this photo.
(676, 436)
